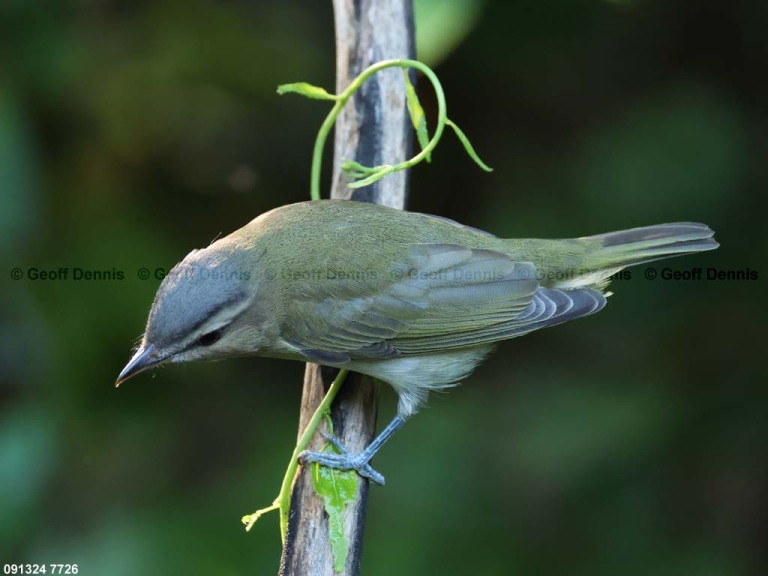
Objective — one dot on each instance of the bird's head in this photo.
(203, 310)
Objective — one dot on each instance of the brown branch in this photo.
(373, 129)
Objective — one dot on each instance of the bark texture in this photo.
(373, 129)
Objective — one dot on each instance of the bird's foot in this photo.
(344, 461)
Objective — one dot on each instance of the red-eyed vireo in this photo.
(411, 299)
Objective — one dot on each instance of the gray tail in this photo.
(649, 243)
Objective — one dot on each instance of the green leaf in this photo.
(305, 89)
(337, 489)
(468, 147)
(355, 170)
(418, 119)
(366, 175)
(378, 173)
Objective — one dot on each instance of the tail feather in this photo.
(649, 243)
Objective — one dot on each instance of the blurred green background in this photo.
(632, 442)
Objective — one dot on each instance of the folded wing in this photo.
(439, 297)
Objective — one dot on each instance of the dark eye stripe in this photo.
(209, 338)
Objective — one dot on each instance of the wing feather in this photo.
(440, 297)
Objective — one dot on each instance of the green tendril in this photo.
(366, 175)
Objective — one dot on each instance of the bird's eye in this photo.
(209, 338)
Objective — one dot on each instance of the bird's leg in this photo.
(358, 462)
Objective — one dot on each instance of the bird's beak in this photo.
(146, 357)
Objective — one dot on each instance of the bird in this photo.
(414, 300)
